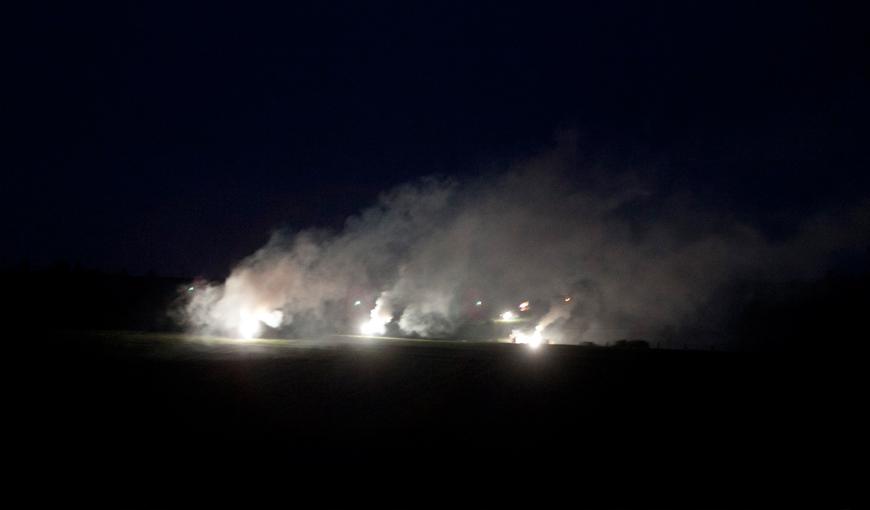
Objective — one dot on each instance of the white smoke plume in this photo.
(634, 262)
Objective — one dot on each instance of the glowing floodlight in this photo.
(506, 316)
(367, 328)
(524, 306)
(251, 324)
(379, 317)
(533, 339)
(249, 327)
(372, 327)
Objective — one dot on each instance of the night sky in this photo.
(174, 137)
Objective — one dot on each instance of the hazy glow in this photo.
(506, 316)
(524, 306)
(478, 303)
(568, 299)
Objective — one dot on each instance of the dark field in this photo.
(622, 425)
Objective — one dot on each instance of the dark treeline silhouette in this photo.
(69, 297)
(824, 314)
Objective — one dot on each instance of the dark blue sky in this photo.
(174, 136)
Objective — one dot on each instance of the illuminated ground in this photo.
(611, 415)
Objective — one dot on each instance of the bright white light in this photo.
(524, 306)
(506, 316)
(478, 303)
(367, 328)
(533, 340)
(568, 299)
(373, 326)
(271, 319)
(249, 326)
(357, 302)
(378, 320)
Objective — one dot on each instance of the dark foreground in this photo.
(616, 427)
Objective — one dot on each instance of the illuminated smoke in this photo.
(634, 261)
(559, 313)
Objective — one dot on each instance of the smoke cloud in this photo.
(433, 256)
